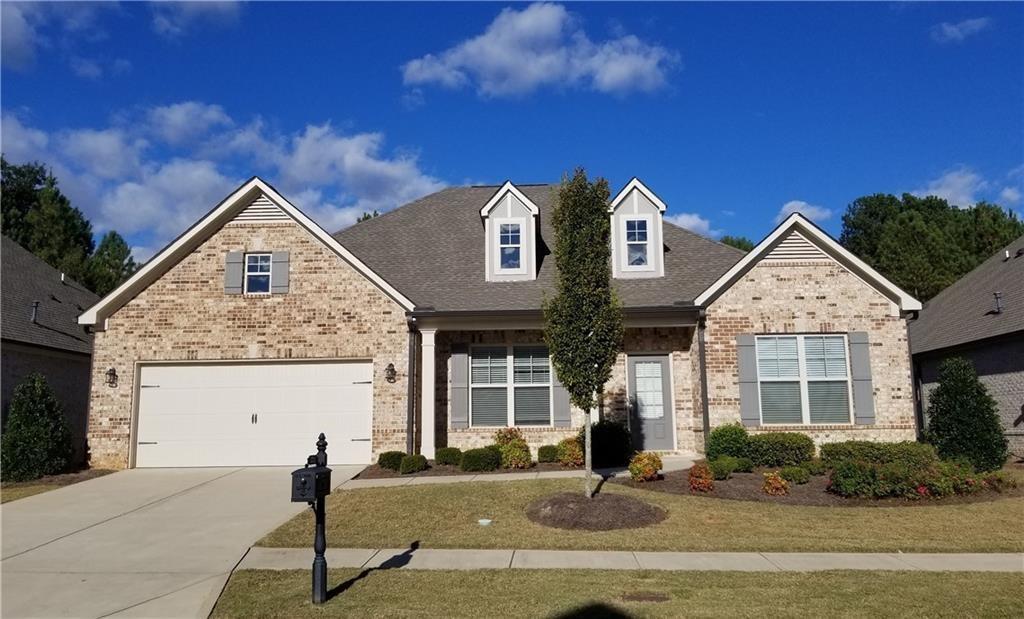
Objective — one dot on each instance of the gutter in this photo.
(702, 355)
(410, 415)
(429, 312)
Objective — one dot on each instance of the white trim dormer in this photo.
(637, 237)
(510, 230)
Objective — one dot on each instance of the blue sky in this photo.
(733, 113)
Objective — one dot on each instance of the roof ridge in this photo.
(68, 280)
(962, 280)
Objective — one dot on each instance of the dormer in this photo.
(636, 231)
(510, 226)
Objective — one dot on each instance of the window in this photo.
(510, 247)
(519, 398)
(803, 379)
(636, 242)
(257, 273)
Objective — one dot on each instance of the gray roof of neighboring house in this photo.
(26, 278)
(964, 311)
(432, 251)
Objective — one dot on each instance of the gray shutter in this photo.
(279, 272)
(746, 351)
(860, 368)
(233, 272)
(562, 417)
(458, 407)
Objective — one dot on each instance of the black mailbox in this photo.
(310, 483)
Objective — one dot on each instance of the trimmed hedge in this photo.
(795, 474)
(448, 455)
(482, 459)
(815, 467)
(857, 478)
(570, 453)
(611, 442)
(391, 460)
(547, 453)
(780, 449)
(908, 453)
(730, 440)
(413, 464)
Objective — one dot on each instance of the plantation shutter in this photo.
(562, 417)
(458, 407)
(233, 272)
(746, 351)
(860, 369)
(279, 272)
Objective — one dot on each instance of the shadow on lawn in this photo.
(394, 562)
(595, 610)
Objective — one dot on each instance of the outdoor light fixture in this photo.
(111, 377)
(390, 374)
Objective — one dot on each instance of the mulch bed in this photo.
(747, 487)
(62, 479)
(441, 470)
(602, 512)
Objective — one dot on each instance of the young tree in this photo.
(36, 441)
(110, 265)
(962, 418)
(739, 242)
(583, 321)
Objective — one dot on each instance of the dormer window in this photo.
(510, 247)
(510, 230)
(637, 245)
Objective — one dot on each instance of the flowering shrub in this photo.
(645, 466)
(515, 455)
(505, 436)
(570, 453)
(774, 485)
(700, 478)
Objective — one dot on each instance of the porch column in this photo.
(427, 388)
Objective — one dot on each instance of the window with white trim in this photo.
(636, 247)
(510, 246)
(499, 398)
(803, 379)
(257, 273)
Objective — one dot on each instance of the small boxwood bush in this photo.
(391, 460)
(906, 452)
(482, 459)
(37, 440)
(730, 440)
(700, 478)
(611, 442)
(448, 455)
(570, 453)
(780, 448)
(795, 474)
(723, 467)
(744, 465)
(413, 464)
(774, 484)
(515, 455)
(645, 466)
(547, 453)
(814, 467)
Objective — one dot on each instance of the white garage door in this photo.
(253, 414)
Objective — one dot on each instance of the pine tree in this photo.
(36, 441)
(110, 265)
(962, 418)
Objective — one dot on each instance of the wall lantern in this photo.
(111, 377)
(390, 374)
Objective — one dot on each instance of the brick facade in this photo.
(330, 312)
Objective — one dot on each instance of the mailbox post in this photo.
(311, 484)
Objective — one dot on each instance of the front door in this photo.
(650, 399)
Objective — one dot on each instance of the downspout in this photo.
(410, 415)
(703, 361)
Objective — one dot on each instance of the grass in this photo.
(445, 516)
(12, 491)
(579, 593)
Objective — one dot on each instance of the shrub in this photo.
(853, 478)
(505, 436)
(36, 441)
(448, 455)
(570, 453)
(516, 455)
(795, 474)
(645, 466)
(495, 449)
(413, 464)
(729, 440)
(857, 478)
(482, 459)
(775, 485)
(611, 444)
(547, 453)
(962, 418)
(701, 479)
(815, 466)
(998, 481)
(391, 460)
(906, 452)
(780, 449)
(723, 467)
(744, 465)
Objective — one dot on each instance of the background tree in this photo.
(110, 265)
(962, 418)
(19, 188)
(583, 321)
(365, 216)
(739, 242)
(36, 441)
(59, 233)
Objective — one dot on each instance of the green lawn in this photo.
(12, 491)
(445, 516)
(579, 593)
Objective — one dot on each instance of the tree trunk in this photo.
(588, 484)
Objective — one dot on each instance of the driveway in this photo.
(139, 543)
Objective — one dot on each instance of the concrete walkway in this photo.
(456, 559)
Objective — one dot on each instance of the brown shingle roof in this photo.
(432, 251)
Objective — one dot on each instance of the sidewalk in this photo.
(457, 559)
(671, 463)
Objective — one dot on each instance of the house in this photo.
(41, 335)
(256, 329)
(980, 317)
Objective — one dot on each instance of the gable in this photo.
(795, 246)
(261, 210)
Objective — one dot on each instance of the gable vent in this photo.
(261, 210)
(796, 247)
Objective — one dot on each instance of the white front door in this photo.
(253, 414)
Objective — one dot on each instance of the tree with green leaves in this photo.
(583, 321)
(19, 188)
(59, 233)
(739, 242)
(962, 418)
(110, 265)
(367, 216)
(36, 441)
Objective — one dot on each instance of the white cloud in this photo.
(108, 153)
(186, 121)
(173, 19)
(956, 33)
(959, 186)
(20, 143)
(543, 45)
(18, 36)
(694, 223)
(1010, 196)
(85, 67)
(810, 211)
(25, 27)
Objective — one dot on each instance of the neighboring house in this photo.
(40, 334)
(980, 317)
(256, 329)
